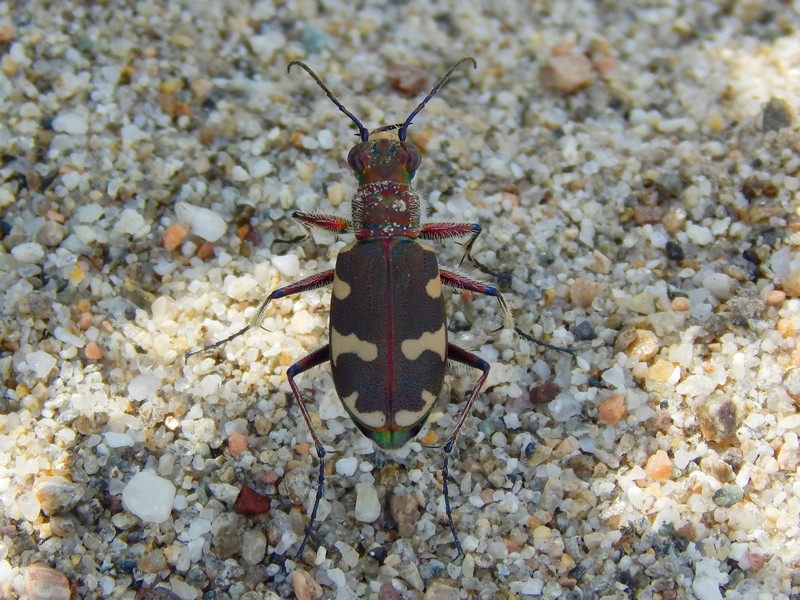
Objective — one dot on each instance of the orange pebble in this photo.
(680, 304)
(93, 351)
(85, 320)
(173, 236)
(206, 250)
(612, 409)
(659, 466)
(429, 439)
(54, 215)
(604, 65)
(237, 443)
(756, 560)
(774, 297)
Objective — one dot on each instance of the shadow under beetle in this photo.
(388, 345)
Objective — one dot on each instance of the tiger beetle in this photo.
(388, 345)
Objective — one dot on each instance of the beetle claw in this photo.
(320, 489)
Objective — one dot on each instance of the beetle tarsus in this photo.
(292, 241)
(530, 338)
(445, 474)
(220, 342)
(484, 269)
(320, 490)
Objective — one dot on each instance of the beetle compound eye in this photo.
(414, 158)
(355, 160)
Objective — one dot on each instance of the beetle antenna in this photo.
(362, 131)
(404, 127)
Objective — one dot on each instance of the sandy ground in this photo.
(636, 170)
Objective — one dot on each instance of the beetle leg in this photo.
(457, 280)
(446, 494)
(443, 230)
(476, 362)
(460, 355)
(330, 223)
(312, 282)
(314, 359)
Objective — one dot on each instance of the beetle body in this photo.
(388, 345)
(388, 334)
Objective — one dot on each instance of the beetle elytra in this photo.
(388, 344)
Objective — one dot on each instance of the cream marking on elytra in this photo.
(407, 418)
(374, 420)
(351, 344)
(435, 341)
(341, 289)
(434, 287)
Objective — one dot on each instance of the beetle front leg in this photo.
(444, 230)
(310, 361)
(457, 280)
(330, 223)
(322, 221)
(312, 282)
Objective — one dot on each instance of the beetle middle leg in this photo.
(457, 280)
(317, 357)
(312, 282)
(463, 282)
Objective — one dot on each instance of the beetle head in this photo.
(383, 157)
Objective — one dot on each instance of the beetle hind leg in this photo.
(446, 493)
(319, 356)
(460, 355)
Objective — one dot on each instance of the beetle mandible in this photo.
(388, 344)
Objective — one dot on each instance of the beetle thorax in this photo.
(386, 209)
